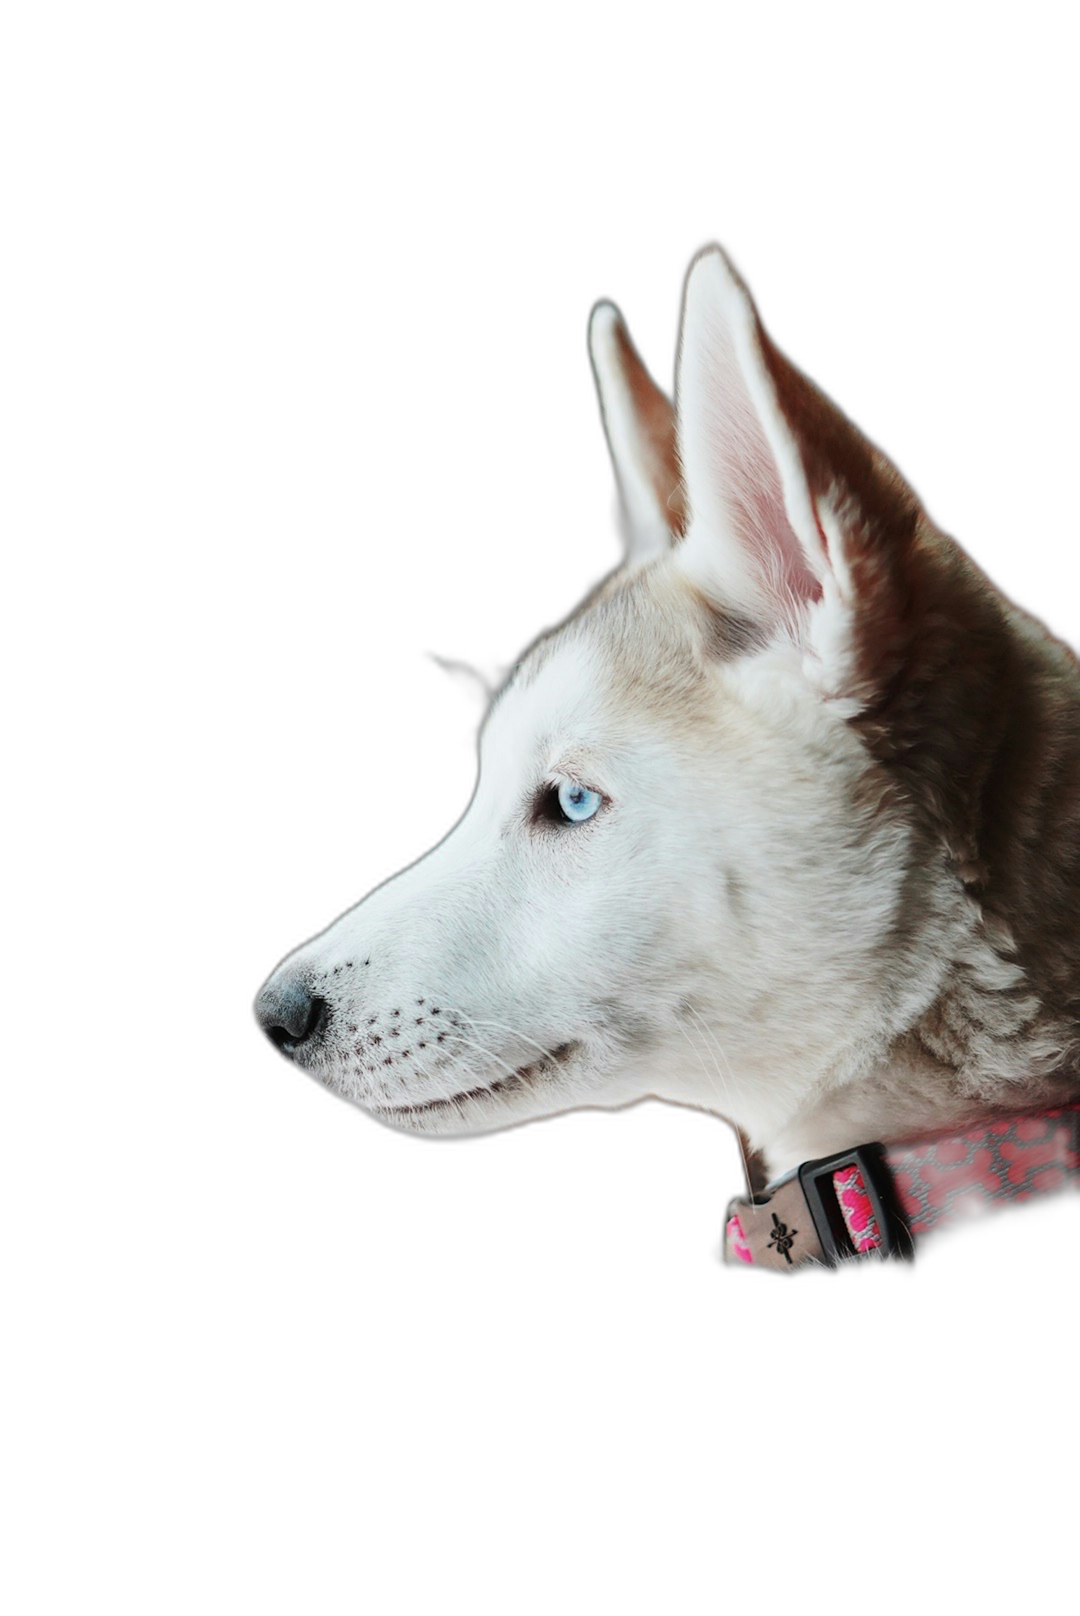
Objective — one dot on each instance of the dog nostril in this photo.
(290, 1015)
(317, 1016)
(285, 1037)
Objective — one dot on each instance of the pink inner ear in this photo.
(732, 454)
(762, 525)
(752, 490)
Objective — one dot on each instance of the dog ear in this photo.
(795, 520)
(640, 425)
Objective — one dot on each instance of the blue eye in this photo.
(576, 802)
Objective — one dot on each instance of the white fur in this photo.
(646, 520)
(726, 932)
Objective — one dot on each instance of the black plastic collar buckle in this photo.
(816, 1178)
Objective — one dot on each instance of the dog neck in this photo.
(996, 805)
(909, 1091)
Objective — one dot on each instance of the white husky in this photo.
(778, 823)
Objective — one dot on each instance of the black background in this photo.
(403, 435)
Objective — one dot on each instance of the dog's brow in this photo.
(576, 762)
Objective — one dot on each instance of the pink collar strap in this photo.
(883, 1200)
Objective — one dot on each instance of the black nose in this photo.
(289, 1014)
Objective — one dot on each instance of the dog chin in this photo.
(536, 1090)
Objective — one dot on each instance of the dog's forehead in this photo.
(630, 656)
(554, 699)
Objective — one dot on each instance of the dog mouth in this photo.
(513, 1082)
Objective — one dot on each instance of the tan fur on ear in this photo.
(869, 520)
(640, 425)
(797, 509)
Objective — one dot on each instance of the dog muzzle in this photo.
(883, 1200)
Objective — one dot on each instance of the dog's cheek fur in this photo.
(797, 921)
(840, 921)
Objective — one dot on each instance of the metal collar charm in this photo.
(881, 1200)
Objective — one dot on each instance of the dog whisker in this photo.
(543, 1052)
(720, 1086)
(727, 1080)
(502, 1026)
(471, 1043)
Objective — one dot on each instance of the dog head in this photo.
(716, 850)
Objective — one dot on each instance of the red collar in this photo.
(883, 1200)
